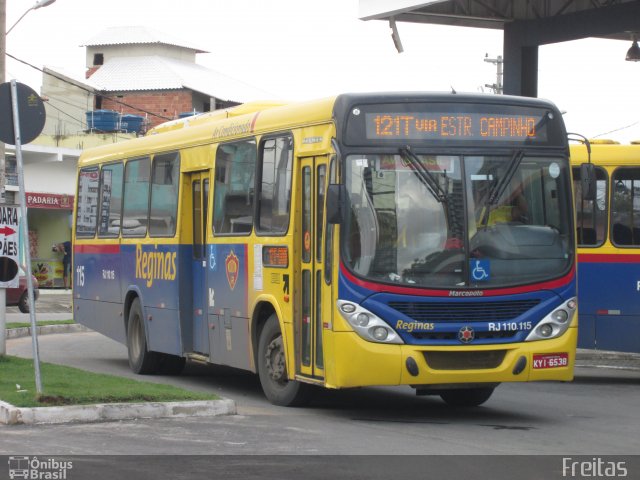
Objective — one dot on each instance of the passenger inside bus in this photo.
(514, 208)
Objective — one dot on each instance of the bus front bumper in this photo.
(361, 363)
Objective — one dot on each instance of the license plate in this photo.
(550, 360)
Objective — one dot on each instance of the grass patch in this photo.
(40, 324)
(71, 386)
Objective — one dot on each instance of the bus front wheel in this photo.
(272, 369)
(467, 397)
(141, 360)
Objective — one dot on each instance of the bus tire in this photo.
(141, 360)
(467, 397)
(272, 369)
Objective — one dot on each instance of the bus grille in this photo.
(465, 360)
(464, 312)
(454, 335)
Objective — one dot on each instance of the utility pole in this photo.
(3, 50)
(3, 57)
(496, 87)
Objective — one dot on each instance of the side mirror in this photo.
(336, 195)
(588, 180)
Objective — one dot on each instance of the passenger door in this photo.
(311, 285)
(199, 182)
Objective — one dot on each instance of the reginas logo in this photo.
(232, 265)
(155, 265)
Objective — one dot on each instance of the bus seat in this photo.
(237, 215)
(622, 234)
(586, 236)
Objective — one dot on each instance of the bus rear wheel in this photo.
(467, 397)
(141, 360)
(272, 369)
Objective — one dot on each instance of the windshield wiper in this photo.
(497, 190)
(425, 176)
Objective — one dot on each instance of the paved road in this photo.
(596, 414)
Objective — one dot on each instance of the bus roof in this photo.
(606, 154)
(219, 125)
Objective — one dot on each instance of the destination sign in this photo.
(275, 256)
(443, 125)
(450, 123)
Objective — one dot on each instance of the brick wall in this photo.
(165, 103)
(91, 71)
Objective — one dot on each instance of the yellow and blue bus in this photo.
(367, 239)
(608, 235)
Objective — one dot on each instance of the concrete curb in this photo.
(10, 415)
(46, 330)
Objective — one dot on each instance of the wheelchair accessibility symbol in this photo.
(480, 270)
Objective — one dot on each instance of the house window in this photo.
(98, 59)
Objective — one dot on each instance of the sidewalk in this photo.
(52, 304)
(604, 359)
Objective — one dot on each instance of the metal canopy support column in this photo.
(523, 37)
(520, 64)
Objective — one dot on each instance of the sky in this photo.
(303, 49)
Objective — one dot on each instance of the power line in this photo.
(64, 100)
(65, 113)
(617, 129)
(93, 92)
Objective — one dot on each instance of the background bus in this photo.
(608, 234)
(369, 239)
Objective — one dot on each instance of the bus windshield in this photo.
(449, 221)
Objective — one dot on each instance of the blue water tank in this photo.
(103, 120)
(188, 114)
(131, 123)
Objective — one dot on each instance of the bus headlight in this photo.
(367, 325)
(362, 319)
(379, 333)
(545, 330)
(555, 323)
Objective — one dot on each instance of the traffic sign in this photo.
(31, 110)
(9, 246)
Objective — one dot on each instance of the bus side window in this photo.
(135, 214)
(110, 200)
(275, 185)
(87, 212)
(164, 195)
(234, 187)
(625, 208)
(591, 215)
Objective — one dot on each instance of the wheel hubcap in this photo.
(274, 357)
(135, 338)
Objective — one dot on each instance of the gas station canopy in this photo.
(526, 25)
